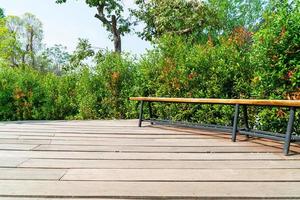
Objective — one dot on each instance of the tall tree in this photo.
(33, 35)
(110, 13)
(173, 17)
(29, 32)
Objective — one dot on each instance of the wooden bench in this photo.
(291, 104)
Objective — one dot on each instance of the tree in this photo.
(238, 13)
(28, 31)
(33, 35)
(82, 53)
(195, 17)
(109, 12)
(9, 46)
(176, 17)
(55, 58)
(1, 13)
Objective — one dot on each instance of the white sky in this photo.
(65, 23)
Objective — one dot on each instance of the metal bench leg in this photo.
(141, 114)
(235, 123)
(289, 131)
(150, 112)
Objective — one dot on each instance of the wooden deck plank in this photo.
(124, 139)
(162, 164)
(112, 159)
(156, 143)
(99, 136)
(17, 146)
(149, 189)
(145, 156)
(11, 162)
(153, 142)
(145, 149)
(17, 141)
(31, 174)
(200, 175)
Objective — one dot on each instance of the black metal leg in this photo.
(289, 131)
(150, 112)
(141, 113)
(235, 123)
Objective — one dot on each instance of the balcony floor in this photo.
(114, 159)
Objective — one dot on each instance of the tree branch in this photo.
(180, 32)
(100, 15)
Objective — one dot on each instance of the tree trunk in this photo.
(30, 44)
(116, 35)
(111, 26)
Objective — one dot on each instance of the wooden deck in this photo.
(117, 160)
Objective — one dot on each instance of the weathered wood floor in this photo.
(117, 160)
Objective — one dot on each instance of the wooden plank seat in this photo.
(291, 104)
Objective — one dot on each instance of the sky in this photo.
(65, 23)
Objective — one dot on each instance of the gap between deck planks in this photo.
(116, 159)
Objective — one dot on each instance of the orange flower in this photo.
(283, 31)
(280, 113)
(241, 36)
(18, 93)
(192, 75)
(115, 76)
(210, 41)
(290, 74)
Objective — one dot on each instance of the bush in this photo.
(116, 74)
(276, 54)
(179, 68)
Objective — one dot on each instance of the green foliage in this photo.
(88, 94)
(9, 46)
(28, 32)
(238, 13)
(117, 77)
(79, 57)
(277, 50)
(54, 59)
(21, 45)
(180, 69)
(85, 94)
(173, 17)
(1, 13)
(28, 94)
(20, 94)
(59, 96)
(276, 54)
(197, 18)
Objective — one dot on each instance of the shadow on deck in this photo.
(116, 159)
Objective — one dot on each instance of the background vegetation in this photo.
(215, 49)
